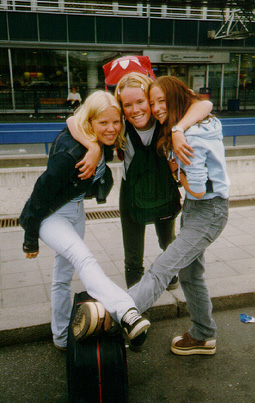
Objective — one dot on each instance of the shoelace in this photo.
(131, 317)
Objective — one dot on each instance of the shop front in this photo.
(227, 78)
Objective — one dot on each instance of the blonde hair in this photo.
(96, 103)
(133, 80)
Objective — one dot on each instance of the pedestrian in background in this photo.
(74, 99)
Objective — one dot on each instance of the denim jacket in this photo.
(58, 185)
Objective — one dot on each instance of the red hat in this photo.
(116, 69)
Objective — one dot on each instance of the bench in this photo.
(30, 133)
(52, 103)
(56, 102)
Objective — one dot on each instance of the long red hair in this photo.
(178, 100)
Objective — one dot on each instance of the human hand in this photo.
(31, 255)
(181, 148)
(173, 164)
(88, 164)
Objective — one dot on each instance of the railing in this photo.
(238, 127)
(30, 133)
(116, 9)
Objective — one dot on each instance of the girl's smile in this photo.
(136, 108)
(107, 126)
(158, 104)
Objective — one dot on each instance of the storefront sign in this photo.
(196, 57)
(188, 57)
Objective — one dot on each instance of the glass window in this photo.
(161, 32)
(181, 30)
(18, 26)
(52, 27)
(5, 85)
(3, 26)
(215, 84)
(230, 79)
(247, 80)
(204, 27)
(135, 30)
(196, 77)
(108, 29)
(81, 29)
(38, 73)
(160, 69)
(86, 69)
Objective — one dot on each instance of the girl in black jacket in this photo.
(55, 213)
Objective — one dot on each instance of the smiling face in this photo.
(158, 104)
(107, 126)
(136, 107)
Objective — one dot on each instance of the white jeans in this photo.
(64, 231)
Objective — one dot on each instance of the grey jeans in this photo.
(202, 222)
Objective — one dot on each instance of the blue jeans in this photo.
(202, 222)
(63, 231)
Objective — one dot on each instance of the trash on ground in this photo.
(246, 319)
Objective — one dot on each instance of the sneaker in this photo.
(186, 345)
(134, 324)
(173, 284)
(88, 320)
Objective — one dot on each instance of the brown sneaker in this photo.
(186, 345)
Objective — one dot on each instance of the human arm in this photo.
(198, 110)
(88, 164)
(45, 199)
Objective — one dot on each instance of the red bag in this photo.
(116, 69)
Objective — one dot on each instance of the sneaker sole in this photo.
(208, 349)
(139, 328)
(101, 316)
(89, 320)
(194, 350)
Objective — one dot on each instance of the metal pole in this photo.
(68, 72)
(207, 76)
(11, 78)
(222, 87)
(238, 76)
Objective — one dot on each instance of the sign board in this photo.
(188, 57)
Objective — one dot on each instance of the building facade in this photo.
(48, 46)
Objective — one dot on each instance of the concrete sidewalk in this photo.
(25, 309)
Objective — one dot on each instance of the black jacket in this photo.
(59, 184)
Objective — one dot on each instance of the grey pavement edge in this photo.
(25, 284)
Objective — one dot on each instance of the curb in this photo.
(42, 332)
